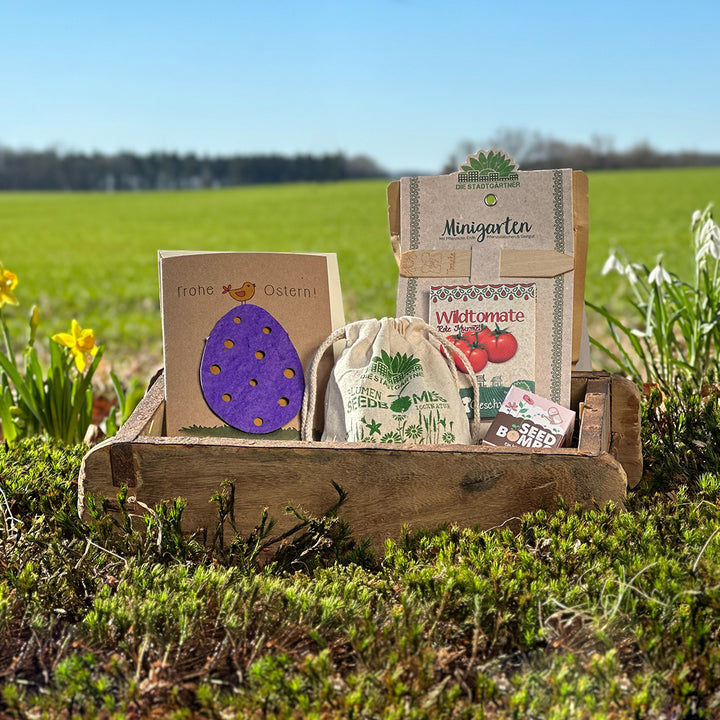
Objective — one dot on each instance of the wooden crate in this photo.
(388, 486)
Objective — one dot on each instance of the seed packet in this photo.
(494, 325)
(529, 420)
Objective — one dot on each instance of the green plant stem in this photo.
(6, 338)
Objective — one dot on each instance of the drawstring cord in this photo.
(310, 396)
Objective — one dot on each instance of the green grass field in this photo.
(93, 256)
(610, 613)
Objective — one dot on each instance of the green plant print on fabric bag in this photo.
(392, 384)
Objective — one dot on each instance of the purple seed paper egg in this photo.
(250, 374)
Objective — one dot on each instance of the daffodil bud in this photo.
(34, 322)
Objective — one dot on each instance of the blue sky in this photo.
(403, 81)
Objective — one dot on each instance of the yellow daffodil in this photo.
(8, 282)
(81, 343)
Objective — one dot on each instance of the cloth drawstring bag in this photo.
(392, 384)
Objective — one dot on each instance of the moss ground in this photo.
(580, 614)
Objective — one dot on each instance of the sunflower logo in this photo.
(495, 163)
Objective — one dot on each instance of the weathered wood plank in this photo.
(387, 488)
(122, 464)
(625, 421)
(595, 424)
(626, 440)
(149, 416)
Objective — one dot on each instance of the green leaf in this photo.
(119, 392)
(111, 425)
(626, 365)
(9, 428)
(476, 164)
(625, 368)
(504, 167)
(34, 372)
(83, 394)
(19, 384)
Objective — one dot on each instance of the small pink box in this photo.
(529, 420)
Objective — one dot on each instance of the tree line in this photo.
(534, 151)
(54, 170)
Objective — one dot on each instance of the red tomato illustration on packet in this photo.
(494, 327)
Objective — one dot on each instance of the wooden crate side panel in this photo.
(626, 440)
(386, 489)
(111, 463)
(625, 420)
(95, 475)
(148, 418)
(578, 388)
(155, 425)
(595, 423)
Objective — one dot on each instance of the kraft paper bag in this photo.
(392, 384)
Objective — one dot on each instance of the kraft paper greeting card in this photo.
(239, 331)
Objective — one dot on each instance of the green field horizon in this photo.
(93, 256)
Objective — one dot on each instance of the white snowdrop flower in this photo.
(695, 219)
(612, 263)
(631, 272)
(659, 275)
(639, 333)
(708, 241)
(708, 248)
(710, 232)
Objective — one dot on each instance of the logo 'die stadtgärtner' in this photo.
(487, 170)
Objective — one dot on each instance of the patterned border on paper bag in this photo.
(558, 290)
(414, 188)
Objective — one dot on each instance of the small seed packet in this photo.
(494, 325)
(529, 420)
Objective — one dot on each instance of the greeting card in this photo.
(239, 331)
